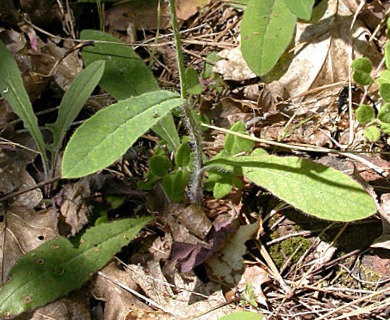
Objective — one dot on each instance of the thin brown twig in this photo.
(22, 191)
(301, 147)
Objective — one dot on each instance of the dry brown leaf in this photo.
(37, 65)
(228, 264)
(152, 281)
(323, 53)
(73, 206)
(118, 301)
(190, 299)
(142, 15)
(140, 314)
(192, 217)
(185, 9)
(383, 241)
(232, 66)
(257, 276)
(15, 40)
(69, 67)
(228, 111)
(13, 176)
(271, 95)
(188, 224)
(319, 68)
(75, 307)
(72, 201)
(23, 230)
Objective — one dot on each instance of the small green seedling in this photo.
(174, 181)
(374, 124)
(249, 296)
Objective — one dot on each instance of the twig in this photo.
(19, 192)
(355, 302)
(306, 148)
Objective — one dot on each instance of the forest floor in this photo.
(278, 262)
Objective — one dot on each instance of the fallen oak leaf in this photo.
(229, 263)
(187, 256)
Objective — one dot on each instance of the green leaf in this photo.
(234, 144)
(302, 8)
(385, 127)
(151, 180)
(74, 99)
(57, 267)
(183, 155)
(238, 5)
(115, 201)
(311, 187)
(166, 129)
(362, 64)
(362, 68)
(13, 91)
(388, 28)
(384, 77)
(364, 113)
(387, 55)
(362, 77)
(192, 81)
(259, 152)
(222, 178)
(242, 315)
(372, 133)
(175, 184)
(159, 165)
(106, 136)
(209, 65)
(266, 30)
(125, 76)
(222, 189)
(384, 113)
(384, 90)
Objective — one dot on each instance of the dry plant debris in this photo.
(245, 251)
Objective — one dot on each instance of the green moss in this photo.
(283, 250)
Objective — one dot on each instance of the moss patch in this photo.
(283, 250)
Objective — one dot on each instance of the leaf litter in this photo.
(299, 104)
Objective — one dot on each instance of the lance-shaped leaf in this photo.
(73, 100)
(266, 30)
(106, 136)
(311, 187)
(126, 75)
(58, 267)
(12, 90)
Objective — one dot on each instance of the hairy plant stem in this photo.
(195, 186)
